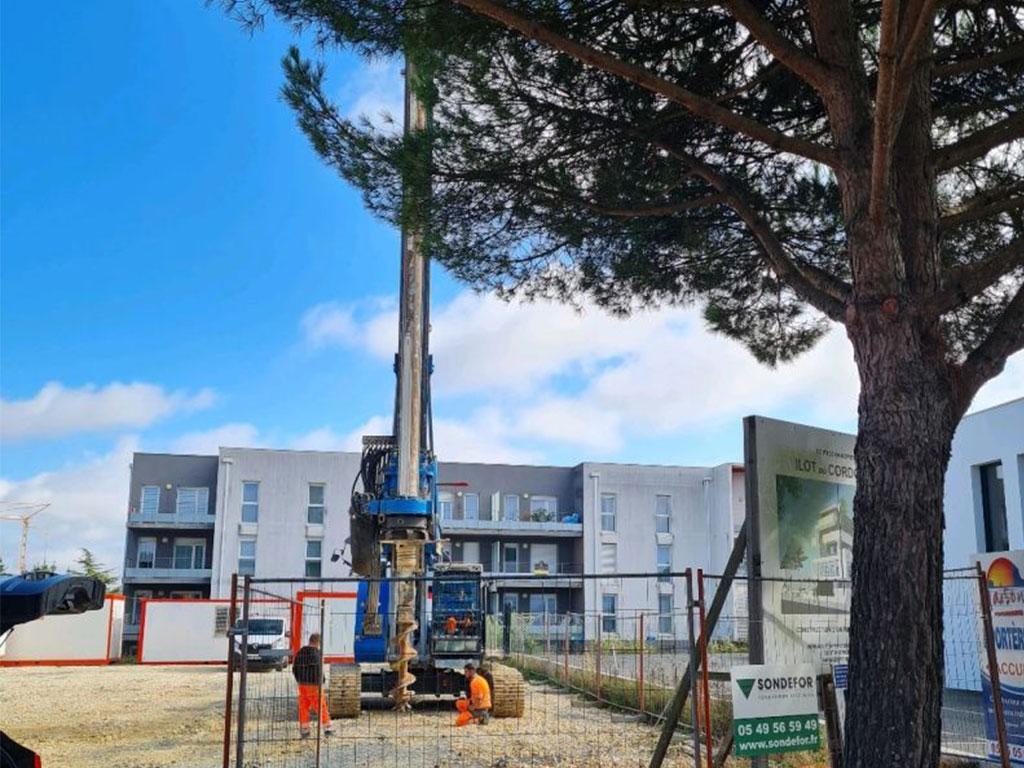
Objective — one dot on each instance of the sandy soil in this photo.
(156, 717)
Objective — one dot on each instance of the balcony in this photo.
(190, 520)
(164, 571)
(537, 525)
(539, 575)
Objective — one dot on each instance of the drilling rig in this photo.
(395, 533)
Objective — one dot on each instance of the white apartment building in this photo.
(984, 495)
(283, 513)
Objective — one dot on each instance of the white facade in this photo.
(664, 517)
(689, 513)
(994, 436)
(280, 534)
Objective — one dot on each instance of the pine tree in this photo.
(787, 164)
(87, 566)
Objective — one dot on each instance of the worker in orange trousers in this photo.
(477, 708)
(307, 669)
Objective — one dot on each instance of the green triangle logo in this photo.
(746, 686)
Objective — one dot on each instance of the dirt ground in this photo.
(158, 717)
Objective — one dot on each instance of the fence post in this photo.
(506, 630)
(599, 657)
(640, 667)
(705, 675)
(693, 677)
(232, 612)
(993, 667)
(565, 647)
(242, 676)
(321, 703)
(833, 726)
(675, 709)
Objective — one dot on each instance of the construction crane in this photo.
(395, 530)
(19, 510)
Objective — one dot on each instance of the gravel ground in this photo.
(156, 717)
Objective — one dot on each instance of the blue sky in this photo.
(181, 272)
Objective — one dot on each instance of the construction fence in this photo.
(599, 685)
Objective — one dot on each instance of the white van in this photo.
(268, 643)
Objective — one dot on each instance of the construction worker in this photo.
(308, 671)
(477, 708)
(449, 625)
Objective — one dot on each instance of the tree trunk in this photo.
(907, 416)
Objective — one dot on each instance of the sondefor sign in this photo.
(775, 709)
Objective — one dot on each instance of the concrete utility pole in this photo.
(19, 510)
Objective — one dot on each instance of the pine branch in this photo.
(820, 289)
(987, 203)
(895, 80)
(964, 282)
(989, 358)
(953, 68)
(978, 144)
(700, 106)
(805, 66)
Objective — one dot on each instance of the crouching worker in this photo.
(308, 671)
(477, 708)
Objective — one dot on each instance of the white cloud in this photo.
(57, 410)
(88, 507)
(654, 373)
(208, 442)
(375, 92)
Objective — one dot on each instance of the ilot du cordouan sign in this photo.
(800, 486)
(775, 709)
(1003, 572)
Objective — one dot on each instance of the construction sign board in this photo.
(1003, 575)
(775, 709)
(800, 487)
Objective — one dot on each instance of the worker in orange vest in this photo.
(307, 668)
(449, 625)
(477, 708)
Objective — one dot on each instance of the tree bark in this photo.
(907, 415)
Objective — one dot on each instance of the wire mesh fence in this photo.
(598, 684)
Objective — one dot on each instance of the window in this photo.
(220, 621)
(609, 557)
(662, 513)
(993, 507)
(543, 509)
(471, 506)
(609, 502)
(665, 614)
(664, 561)
(189, 554)
(185, 594)
(511, 558)
(247, 556)
(609, 608)
(445, 503)
(543, 602)
(250, 502)
(150, 502)
(511, 507)
(315, 507)
(510, 600)
(193, 502)
(147, 553)
(314, 550)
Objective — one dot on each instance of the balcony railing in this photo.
(182, 519)
(568, 525)
(165, 569)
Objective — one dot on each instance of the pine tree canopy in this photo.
(652, 152)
